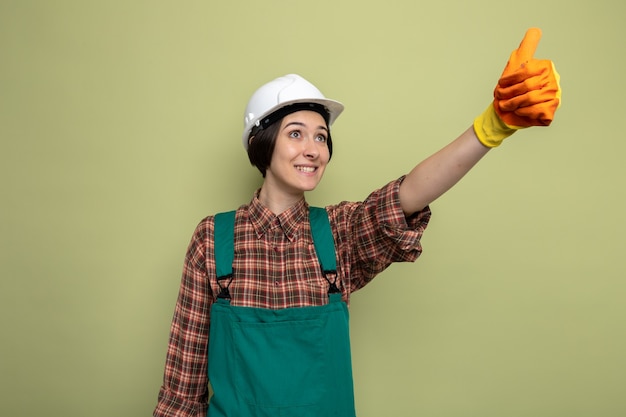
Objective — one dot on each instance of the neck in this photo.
(278, 202)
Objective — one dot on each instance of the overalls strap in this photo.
(224, 238)
(324, 245)
(323, 239)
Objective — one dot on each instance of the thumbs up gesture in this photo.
(528, 92)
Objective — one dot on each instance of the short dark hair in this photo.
(261, 148)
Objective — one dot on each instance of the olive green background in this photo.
(120, 124)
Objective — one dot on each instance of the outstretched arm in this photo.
(527, 94)
(439, 172)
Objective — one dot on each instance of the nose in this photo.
(310, 148)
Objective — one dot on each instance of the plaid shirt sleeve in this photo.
(374, 233)
(185, 383)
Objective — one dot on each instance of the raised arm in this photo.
(439, 172)
(527, 94)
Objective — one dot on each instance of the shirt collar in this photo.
(289, 221)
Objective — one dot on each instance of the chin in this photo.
(310, 187)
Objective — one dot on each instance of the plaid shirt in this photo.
(275, 266)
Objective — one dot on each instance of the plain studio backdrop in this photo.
(120, 126)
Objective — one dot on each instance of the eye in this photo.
(295, 134)
(321, 138)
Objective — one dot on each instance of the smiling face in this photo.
(300, 156)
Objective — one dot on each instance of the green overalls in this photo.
(292, 362)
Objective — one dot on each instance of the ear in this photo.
(250, 140)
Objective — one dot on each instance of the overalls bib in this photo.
(292, 362)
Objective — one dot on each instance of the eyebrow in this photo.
(303, 125)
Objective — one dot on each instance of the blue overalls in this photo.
(292, 362)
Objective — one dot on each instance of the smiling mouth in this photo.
(307, 170)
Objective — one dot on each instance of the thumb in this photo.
(526, 49)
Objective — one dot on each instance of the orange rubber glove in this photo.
(527, 94)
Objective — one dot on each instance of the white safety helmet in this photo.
(280, 93)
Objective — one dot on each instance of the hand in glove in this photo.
(527, 94)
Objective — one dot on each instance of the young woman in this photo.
(262, 309)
